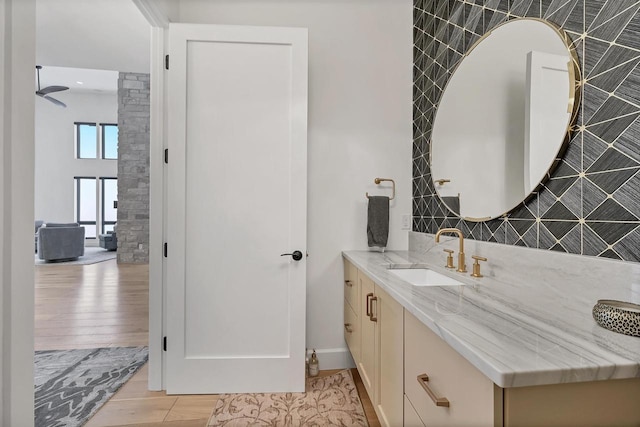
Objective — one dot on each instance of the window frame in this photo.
(104, 223)
(102, 143)
(77, 133)
(77, 180)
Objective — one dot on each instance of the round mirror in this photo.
(504, 118)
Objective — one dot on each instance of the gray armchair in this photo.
(58, 242)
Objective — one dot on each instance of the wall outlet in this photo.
(406, 222)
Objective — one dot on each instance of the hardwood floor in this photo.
(106, 305)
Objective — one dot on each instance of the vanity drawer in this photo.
(411, 418)
(352, 331)
(432, 366)
(351, 285)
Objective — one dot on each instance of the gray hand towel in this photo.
(378, 221)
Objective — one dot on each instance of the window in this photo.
(86, 141)
(95, 204)
(109, 141)
(91, 144)
(109, 197)
(86, 198)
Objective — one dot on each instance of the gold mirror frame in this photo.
(573, 106)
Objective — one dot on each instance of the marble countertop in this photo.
(521, 326)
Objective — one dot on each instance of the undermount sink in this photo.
(424, 277)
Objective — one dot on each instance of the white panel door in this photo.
(237, 127)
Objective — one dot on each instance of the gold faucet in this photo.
(462, 268)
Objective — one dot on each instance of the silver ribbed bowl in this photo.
(618, 316)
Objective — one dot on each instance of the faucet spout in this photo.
(462, 268)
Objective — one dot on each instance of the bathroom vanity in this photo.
(517, 347)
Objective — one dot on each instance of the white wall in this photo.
(360, 127)
(56, 164)
(17, 52)
(96, 34)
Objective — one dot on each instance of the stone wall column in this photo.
(133, 168)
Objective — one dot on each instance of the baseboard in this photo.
(334, 358)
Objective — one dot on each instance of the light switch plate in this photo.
(406, 222)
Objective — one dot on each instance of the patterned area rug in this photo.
(92, 255)
(71, 385)
(328, 401)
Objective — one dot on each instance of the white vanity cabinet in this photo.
(406, 368)
(352, 333)
(376, 344)
(434, 371)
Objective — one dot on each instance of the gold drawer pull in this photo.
(371, 316)
(348, 283)
(439, 401)
(348, 328)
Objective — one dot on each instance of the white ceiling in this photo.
(79, 79)
(91, 34)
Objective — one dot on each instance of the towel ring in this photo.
(393, 188)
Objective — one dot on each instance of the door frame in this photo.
(159, 23)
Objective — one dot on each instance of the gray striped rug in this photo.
(71, 385)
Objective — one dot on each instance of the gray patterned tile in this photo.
(628, 195)
(559, 11)
(592, 244)
(594, 99)
(629, 141)
(630, 86)
(546, 240)
(522, 212)
(522, 7)
(559, 229)
(612, 159)
(609, 79)
(511, 236)
(593, 148)
(572, 241)
(610, 210)
(610, 254)
(629, 246)
(594, 51)
(564, 170)
(592, 197)
(612, 19)
(611, 181)
(612, 119)
(629, 35)
(559, 211)
(559, 185)
(572, 198)
(611, 232)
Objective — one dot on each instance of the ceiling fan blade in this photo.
(55, 101)
(51, 89)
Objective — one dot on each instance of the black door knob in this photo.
(296, 255)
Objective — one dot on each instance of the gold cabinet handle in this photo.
(349, 283)
(439, 401)
(371, 316)
(369, 304)
(441, 181)
(348, 328)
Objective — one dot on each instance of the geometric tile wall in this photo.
(591, 203)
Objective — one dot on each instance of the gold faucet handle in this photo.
(476, 265)
(449, 258)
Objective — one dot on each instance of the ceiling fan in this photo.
(44, 92)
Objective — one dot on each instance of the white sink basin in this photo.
(424, 277)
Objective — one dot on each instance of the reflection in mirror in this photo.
(504, 118)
